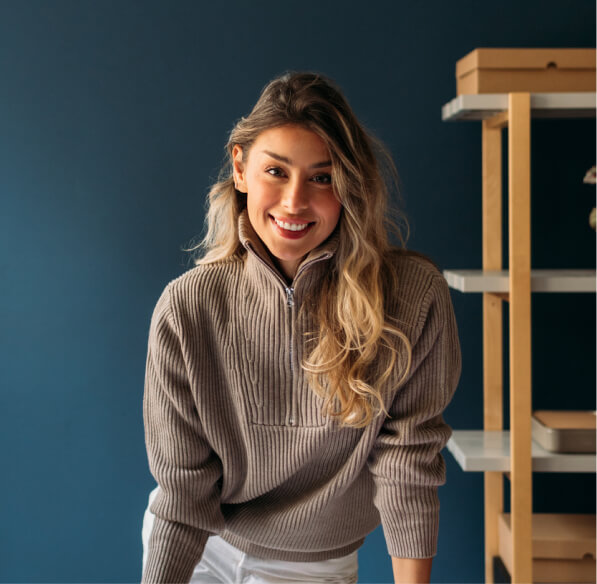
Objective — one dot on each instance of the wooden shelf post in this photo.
(492, 326)
(519, 228)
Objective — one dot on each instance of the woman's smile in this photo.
(291, 228)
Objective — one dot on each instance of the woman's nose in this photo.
(294, 198)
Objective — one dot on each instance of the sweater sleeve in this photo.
(187, 507)
(406, 462)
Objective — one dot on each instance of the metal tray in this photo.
(565, 431)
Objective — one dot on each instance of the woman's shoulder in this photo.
(414, 283)
(211, 272)
(408, 263)
(205, 282)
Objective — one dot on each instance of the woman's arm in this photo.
(406, 462)
(187, 506)
(412, 571)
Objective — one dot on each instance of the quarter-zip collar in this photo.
(259, 259)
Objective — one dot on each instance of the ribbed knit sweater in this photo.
(236, 437)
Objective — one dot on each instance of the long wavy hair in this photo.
(354, 353)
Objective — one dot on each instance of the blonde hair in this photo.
(354, 352)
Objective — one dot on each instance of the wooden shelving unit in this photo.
(493, 450)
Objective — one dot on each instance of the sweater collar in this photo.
(253, 244)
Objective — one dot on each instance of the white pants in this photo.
(223, 563)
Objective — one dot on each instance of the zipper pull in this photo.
(290, 297)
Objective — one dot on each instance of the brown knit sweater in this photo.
(236, 438)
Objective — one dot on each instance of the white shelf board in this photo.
(543, 105)
(479, 450)
(541, 280)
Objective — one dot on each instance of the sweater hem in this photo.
(265, 553)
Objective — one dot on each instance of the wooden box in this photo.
(563, 547)
(565, 431)
(532, 70)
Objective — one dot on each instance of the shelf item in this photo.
(565, 431)
(590, 177)
(489, 451)
(498, 281)
(563, 546)
(543, 105)
(534, 70)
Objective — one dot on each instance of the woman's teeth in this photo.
(291, 226)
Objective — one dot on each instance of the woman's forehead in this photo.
(293, 144)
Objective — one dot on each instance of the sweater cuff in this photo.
(410, 520)
(174, 551)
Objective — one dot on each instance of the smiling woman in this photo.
(296, 377)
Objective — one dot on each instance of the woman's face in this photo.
(290, 200)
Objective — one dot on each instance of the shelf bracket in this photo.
(501, 295)
(498, 121)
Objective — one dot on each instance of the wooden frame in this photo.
(517, 118)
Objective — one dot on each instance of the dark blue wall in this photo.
(113, 118)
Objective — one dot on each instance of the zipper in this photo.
(289, 297)
(289, 290)
(290, 307)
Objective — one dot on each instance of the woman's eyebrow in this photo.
(322, 164)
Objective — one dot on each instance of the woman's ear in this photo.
(238, 169)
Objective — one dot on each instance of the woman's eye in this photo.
(275, 171)
(324, 179)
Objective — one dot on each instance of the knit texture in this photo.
(237, 440)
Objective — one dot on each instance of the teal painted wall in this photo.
(113, 118)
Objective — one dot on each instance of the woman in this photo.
(296, 377)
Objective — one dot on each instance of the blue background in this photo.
(113, 119)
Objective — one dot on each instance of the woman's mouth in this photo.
(291, 230)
